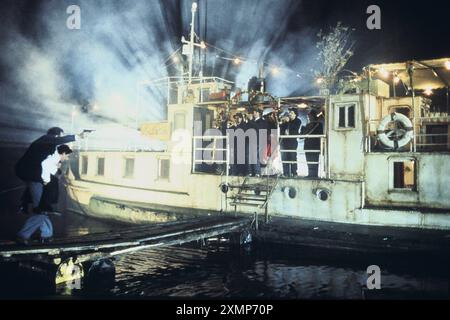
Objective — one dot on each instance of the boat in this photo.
(383, 160)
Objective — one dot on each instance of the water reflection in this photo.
(219, 270)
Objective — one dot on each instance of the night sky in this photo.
(47, 70)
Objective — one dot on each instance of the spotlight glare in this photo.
(428, 91)
(275, 71)
(383, 73)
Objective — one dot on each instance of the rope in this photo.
(12, 189)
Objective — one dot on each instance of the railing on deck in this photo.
(421, 142)
(301, 153)
(218, 155)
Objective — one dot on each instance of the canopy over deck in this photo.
(428, 74)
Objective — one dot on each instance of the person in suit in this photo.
(39, 219)
(29, 166)
(314, 127)
(291, 128)
(258, 125)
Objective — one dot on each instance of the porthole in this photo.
(322, 194)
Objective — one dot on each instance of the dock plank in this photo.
(130, 239)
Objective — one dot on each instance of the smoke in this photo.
(53, 76)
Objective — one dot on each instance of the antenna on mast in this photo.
(188, 47)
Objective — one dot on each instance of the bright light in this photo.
(319, 80)
(428, 91)
(237, 61)
(95, 107)
(175, 59)
(447, 64)
(275, 71)
(203, 45)
(383, 73)
(396, 79)
(302, 106)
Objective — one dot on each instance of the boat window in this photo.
(179, 121)
(342, 117)
(84, 165)
(346, 116)
(164, 169)
(129, 168)
(404, 174)
(351, 116)
(100, 166)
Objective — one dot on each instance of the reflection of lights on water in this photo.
(428, 91)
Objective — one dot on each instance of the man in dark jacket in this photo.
(29, 168)
(39, 220)
(312, 145)
(259, 126)
(291, 128)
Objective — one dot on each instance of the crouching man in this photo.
(39, 220)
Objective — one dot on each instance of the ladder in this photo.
(254, 192)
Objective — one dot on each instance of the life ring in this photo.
(398, 137)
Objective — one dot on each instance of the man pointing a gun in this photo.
(30, 169)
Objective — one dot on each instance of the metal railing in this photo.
(421, 142)
(218, 153)
(300, 161)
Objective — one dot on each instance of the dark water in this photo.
(217, 269)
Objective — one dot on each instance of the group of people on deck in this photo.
(261, 143)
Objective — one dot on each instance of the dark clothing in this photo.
(238, 152)
(254, 167)
(29, 168)
(49, 196)
(313, 128)
(291, 128)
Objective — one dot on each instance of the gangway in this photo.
(64, 253)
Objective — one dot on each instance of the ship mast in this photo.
(188, 46)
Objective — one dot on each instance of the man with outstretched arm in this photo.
(40, 220)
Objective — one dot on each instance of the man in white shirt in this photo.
(40, 220)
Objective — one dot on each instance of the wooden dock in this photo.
(105, 245)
